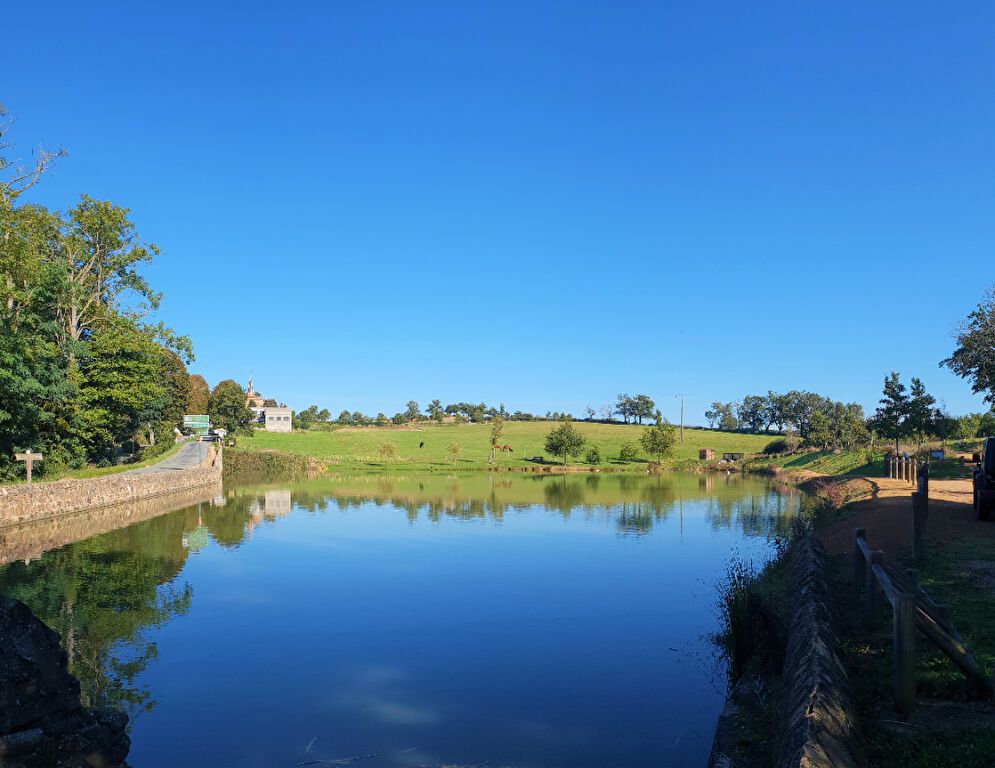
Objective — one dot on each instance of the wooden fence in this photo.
(911, 608)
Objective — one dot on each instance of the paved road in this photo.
(188, 457)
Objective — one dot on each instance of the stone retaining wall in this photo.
(21, 504)
(27, 541)
(819, 725)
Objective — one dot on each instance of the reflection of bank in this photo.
(270, 506)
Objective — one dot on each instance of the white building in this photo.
(277, 419)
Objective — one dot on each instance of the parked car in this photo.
(984, 481)
(210, 438)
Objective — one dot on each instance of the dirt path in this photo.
(885, 515)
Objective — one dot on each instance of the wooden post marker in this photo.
(29, 459)
(875, 597)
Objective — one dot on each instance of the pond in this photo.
(488, 620)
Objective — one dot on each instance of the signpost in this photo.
(29, 459)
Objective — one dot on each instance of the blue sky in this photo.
(541, 204)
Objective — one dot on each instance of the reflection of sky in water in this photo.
(422, 622)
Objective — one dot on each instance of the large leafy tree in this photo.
(122, 392)
(228, 411)
(200, 393)
(889, 419)
(974, 357)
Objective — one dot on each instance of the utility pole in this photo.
(681, 398)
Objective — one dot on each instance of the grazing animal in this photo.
(421, 444)
(504, 448)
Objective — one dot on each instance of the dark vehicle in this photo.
(210, 438)
(984, 481)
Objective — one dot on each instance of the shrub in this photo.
(628, 451)
(781, 445)
(388, 451)
(593, 455)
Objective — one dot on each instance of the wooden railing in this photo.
(911, 608)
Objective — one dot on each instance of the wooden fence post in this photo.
(874, 593)
(859, 563)
(919, 511)
(905, 653)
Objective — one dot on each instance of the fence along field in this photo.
(360, 447)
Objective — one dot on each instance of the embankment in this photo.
(21, 504)
(798, 716)
(254, 466)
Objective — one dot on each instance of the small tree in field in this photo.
(497, 427)
(628, 451)
(565, 441)
(593, 455)
(454, 450)
(388, 452)
(659, 439)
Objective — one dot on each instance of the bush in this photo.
(388, 451)
(628, 451)
(781, 445)
(593, 455)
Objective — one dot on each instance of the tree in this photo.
(723, 416)
(820, 433)
(590, 412)
(625, 407)
(304, 419)
(227, 410)
(497, 427)
(564, 440)
(974, 357)
(920, 413)
(642, 407)
(659, 439)
(200, 393)
(388, 452)
(435, 411)
(628, 451)
(412, 412)
(454, 450)
(344, 418)
(120, 391)
(102, 252)
(593, 455)
(753, 413)
(889, 419)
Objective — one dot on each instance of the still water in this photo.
(534, 622)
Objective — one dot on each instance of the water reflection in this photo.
(397, 615)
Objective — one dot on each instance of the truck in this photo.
(984, 481)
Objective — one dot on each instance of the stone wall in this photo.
(819, 727)
(27, 541)
(20, 504)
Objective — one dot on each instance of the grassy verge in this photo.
(960, 574)
(87, 472)
(425, 447)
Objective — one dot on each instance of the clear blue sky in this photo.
(541, 204)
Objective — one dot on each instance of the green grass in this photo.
(86, 472)
(958, 574)
(360, 449)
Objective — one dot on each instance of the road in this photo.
(189, 456)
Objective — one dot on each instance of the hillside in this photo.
(359, 448)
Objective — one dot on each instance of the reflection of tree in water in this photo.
(102, 595)
(563, 495)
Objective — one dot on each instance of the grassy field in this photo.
(360, 448)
